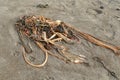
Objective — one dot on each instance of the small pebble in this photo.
(118, 9)
(98, 11)
(101, 7)
(42, 6)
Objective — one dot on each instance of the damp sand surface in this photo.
(100, 18)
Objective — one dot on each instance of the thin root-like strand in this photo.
(27, 48)
(94, 40)
(77, 59)
(35, 65)
(42, 47)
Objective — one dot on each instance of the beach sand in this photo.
(100, 18)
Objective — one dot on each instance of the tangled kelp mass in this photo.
(45, 33)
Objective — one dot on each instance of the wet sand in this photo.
(101, 18)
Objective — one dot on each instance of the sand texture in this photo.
(100, 18)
